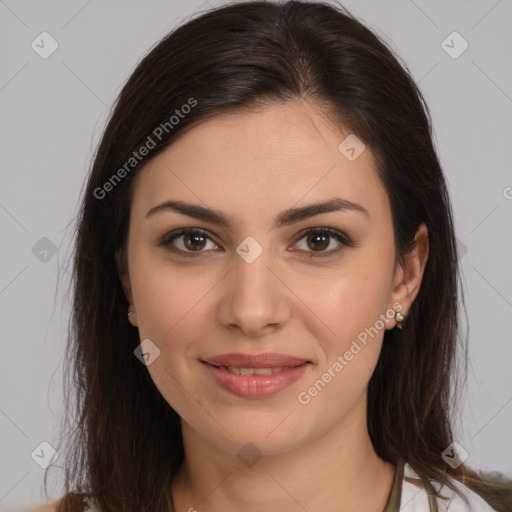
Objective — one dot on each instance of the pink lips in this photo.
(288, 369)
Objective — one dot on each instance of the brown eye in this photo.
(194, 241)
(188, 241)
(318, 240)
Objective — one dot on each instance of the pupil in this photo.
(194, 238)
(324, 240)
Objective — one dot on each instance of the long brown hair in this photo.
(126, 445)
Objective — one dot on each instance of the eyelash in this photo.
(343, 239)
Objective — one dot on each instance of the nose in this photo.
(255, 299)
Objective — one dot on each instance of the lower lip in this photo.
(256, 386)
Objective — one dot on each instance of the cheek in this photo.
(351, 299)
(349, 337)
(166, 300)
(174, 312)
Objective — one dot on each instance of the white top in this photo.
(415, 498)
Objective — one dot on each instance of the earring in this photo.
(129, 313)
(399, 320)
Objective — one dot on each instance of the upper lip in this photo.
(265, 360)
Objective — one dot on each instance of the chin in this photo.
(269, 432)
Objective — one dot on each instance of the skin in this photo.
(251, 167)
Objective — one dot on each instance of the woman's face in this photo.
(262, 280)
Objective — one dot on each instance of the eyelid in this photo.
(342, 238)
(167, 239)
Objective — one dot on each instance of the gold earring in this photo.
(399, 320)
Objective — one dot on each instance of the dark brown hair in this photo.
(126, 443)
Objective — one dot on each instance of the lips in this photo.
(264, 360)
(255, 376)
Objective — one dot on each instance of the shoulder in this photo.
(80, 502)
(47, 507)
(415, 498)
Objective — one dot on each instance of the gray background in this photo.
(53, 111)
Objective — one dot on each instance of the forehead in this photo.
(259, 162)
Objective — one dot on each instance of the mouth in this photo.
(255, 371)
(258, 381)
(256, 361)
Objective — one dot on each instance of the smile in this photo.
(255, 382)
(255, 371)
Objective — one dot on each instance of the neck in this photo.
(337, 471)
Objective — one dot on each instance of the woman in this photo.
(266, 284)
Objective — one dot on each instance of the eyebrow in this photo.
(286, 217)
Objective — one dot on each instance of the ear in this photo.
(124, 276)
(409, 273)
